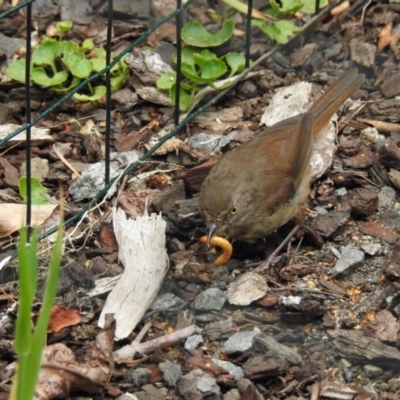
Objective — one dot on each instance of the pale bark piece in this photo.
(142, 252)
(13, 216)
(247, 288)
(38, 135)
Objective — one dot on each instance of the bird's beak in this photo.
(212, 230)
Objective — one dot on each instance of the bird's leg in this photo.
(266, 264)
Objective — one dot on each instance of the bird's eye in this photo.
(234, 210)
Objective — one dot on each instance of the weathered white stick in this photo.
(142, 252)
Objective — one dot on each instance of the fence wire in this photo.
(180, 121)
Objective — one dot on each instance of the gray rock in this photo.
(166, 301)
(240, 342)
(210, 299)
(208, 142)
(372, 371)
(197, 385)
(127, 396)
(233, 369)
(139, 376)
(386, 197)
(193, 342)
(340, 192)
(39, 168)
(349, 259)
(370, 248)
(171, 372)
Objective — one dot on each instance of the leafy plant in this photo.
(37, 190)
(200, 66)
(29, 341)
(63, 64)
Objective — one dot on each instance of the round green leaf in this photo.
(39, 76)
(287, 6)
(194, 34)
(213, 69)
(64, 26)
(98, 64)
(309, 6)
(82, 68)
(70, 59)
(236, 62)
(99, 52)
(185, 98)
(68, 47)
(166, 81)
(87, 44)
(16, 70)
(45, 53)
(187, 55)
(99, 92)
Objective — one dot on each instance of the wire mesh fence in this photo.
(180, 119)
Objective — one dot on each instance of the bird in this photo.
(262, 184)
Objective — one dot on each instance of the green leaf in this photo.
(70, 59)
(98, 64)
(213, 69)
(201, 58)
(236, 62)
(45, 53)
(309, 6)
(194, 34)
(166, 81)
(64, 26)
(82, 69)
(279, 30)
(185, 98)
(61, 89)
(16, 70)
(99, 52)
(99, 92)
(68, 47)
(40, 76)
(286, 6)
(118, 80)
(187, 55)
(87, 45)
(37, 190)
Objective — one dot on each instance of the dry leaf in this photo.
(13, 216)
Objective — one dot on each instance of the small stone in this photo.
(232, 394)
(193, 342)
(349, 259)
(210, 299)
(197, 385)
(240, 342)
(321, 210)
(166, 301)
(39, 168)
(233, 369)
(171, 372)
(370, 248)
(386, 197)
(370, 136)
(343, 363)
(394, 177)
(139, 376)
(372, 371)
(340, 192)
(362, 53)
(208, 142)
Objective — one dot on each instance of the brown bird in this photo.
(259, 186)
